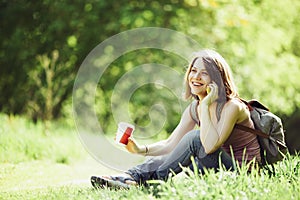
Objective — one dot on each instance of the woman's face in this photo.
(199, 78)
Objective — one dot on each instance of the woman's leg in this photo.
(143, 172)
(190, 145)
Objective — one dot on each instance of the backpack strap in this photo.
(246, 128)
(193, 112)
(251, 130)
(259, 133)
(257, 104)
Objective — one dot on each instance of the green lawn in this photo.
(55, 165)
(46, 180)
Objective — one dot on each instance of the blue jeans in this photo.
(159, 167)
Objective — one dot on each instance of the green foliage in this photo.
(141, 103)
(49, 80)
(21, 140)
(254, 36)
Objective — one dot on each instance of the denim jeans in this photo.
(159, 167)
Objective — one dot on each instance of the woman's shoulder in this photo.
(241, 108)
(236, 103)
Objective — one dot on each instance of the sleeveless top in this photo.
(244, 145)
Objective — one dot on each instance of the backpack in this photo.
(268, 128)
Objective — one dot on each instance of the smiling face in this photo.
(209, 66)
(198, 79)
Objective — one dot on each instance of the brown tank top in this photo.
(245, 146)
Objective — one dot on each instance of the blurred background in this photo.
(43, 44)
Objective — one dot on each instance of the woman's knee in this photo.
(192, 140)
(192, 135)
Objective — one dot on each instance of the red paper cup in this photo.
(124, 132)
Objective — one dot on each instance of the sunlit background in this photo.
(43, 44)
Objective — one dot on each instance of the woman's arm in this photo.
(214, 134)
(185, 125)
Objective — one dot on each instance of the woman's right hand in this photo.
(133, 147)
(212, 94)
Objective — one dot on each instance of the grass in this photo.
(221, 185)
(39, 165)
(21, 140)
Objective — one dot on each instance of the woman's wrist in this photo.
(143, 150)
(146, 150)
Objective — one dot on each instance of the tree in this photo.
(44, 43)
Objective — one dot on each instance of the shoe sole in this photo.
(100, 183)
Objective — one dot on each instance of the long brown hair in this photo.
(219, 72)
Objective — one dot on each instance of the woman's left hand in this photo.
(212, 95)
(132, 146)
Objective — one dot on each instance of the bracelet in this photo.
(147, 150)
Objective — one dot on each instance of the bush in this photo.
(22, 140)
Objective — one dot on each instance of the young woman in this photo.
(216, 109)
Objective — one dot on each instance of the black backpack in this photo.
(268, 128)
